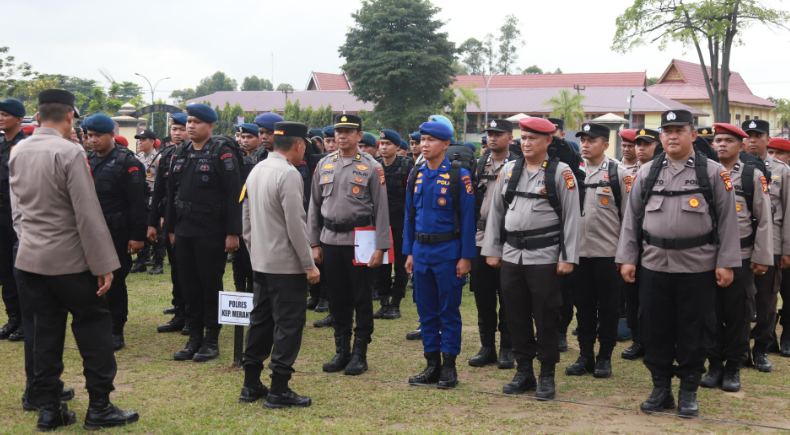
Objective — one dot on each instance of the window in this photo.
(747, 117)
(738, 119)
(696, 121)
(756, 117)
(638, 121)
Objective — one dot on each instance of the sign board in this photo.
(235, 308)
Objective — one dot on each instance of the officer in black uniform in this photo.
(120, 187)
(178, 133)
(250, 143)
(323, 305)
(396, 173)
(203, 219)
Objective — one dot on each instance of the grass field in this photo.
(189, 398)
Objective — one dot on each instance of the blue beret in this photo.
(442, 119)
(454, 142)
(484, 139)
(416, 136)
(100, 123)
(439, 130)
(329, 131)
(404, 144)
(267, 120)
(179, 118)
(470, 145)
(202, 112)
(247, 128)
(13, 107)
(316, 132)
(391, 136)
(369, 140)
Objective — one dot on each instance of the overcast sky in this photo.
(189, 40)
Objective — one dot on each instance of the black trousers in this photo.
(277, 320)
(118, 295)
(488, 292)
(733, 317)
(566, 310)
(178, 297)
(201, 265)
(677, 320)
(318, 290)
(55, 297)
(766, 301)
(156, 250)
(349, 291)
(242, 269)
(533, 292)
(597, 298)
(784, 290)
(10, 294)
(382, 276)
(631, 292)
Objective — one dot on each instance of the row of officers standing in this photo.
(688, 235)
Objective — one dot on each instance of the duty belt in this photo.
(191, 207)
(678, 243)
(747, 242)
(518, 239)
(436, 238)
(345, 227)
(481, 225)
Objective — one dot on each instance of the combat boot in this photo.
(283, 397)
(28, 404)
(210, 348)
(524, 380)
(415, 335)
(102, 413)
(506, 359)
(714, 376)
(636, 349)
(394, 311)
(138, 267)
(546, 389)
(118, 342)
(54, 415)
(342, 355)
(14, 322)
(385, 306)
(374, 294)
(603, 367)
(586, 361)
(176, 324)
(687, 397)
(169, 311)
(732, 378)
(761, 362)
(18, 335)
(359, 358)
(253, 389)
(158, 269)
(326, 322)
(323, 306)
(432, 371)
(487, 354)
(312, 303)
(563, 342)
(661, 398)
(784, 349)
(449, 377)
(189, 351)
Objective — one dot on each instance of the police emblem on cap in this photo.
(381, 135)
(586, 127)
(344, 119)
(704, 131)
(671, 116)
(753, 125)
(492, 124)
(641, 132)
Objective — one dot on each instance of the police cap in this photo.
(59, 96)
(676, 118)
(594, 130)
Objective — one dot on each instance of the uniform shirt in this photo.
(534, 213)
(159, 191)
(681, 216)
(5, 195)
(274, 218)
(198, 178)
(631, 168)
(600, 222)
(435, 214)
(491, 167)
(780, 203)
(150, 164)
(125, 196)
(396, 176)
(762, 252)
(347, 192)
(63, 228)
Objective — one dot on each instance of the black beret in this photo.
(59, 96)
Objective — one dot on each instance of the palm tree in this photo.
(567, 106)
(782, 114)
(465, 97)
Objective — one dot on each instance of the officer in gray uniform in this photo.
(682, 212)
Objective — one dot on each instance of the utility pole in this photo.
(487, 83)
(579, 90)
(631, 110)
(153, 90)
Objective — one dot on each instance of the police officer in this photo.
(415, 139)
(485, 279)
(439, 240)
(349, 191)
(484, 143)
(705, 133)
(596, 282)
(779, 148)
(242, 267)
(12, 112)
(628, 147)
(539, 247)
(149, 157)
(203, 219)
(690, 239)
(330, 145)
(396, 174)
(403, 150)
(733, 313)
(178, 133)
(369, 144)
(120, 187)
(320, 289)
(768, 285)
(265, 122)
(274, 221)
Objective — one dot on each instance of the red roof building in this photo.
(568, 81)
(328, 82)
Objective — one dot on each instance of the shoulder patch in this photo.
(725, 176)
(567, 172)
(382, 179)
(629, 181)
(133, 168)
(764, 182)
(329, 166)
(569, 183)
(243, 192)
(225, 156)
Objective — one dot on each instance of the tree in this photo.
(782, 113)
(182, 95)
(459, 69)
(533, 70)
(398, 59)
(129, 91)
(215, 83)
(713, 25)
(474, 56)
(557, 71)
(100, 102)
(509, 43)
(489, 53)
(465, 95)
(285, 87)
(11, 73)
(253, 83)
(568, 106)
(27, 92)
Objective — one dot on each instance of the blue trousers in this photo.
(438, 303)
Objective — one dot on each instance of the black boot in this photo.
(253, 389)
(661, 398)
(563, 342)
(323, 306)
(185, 331)
(189, 351)
(312, 303)
(326, 322)
(487, 354)
(524, 380)
(603, 367)
(732, 378)
(29, 405)
(54, 415)
(636, 350)
(176, 324)
(210, 348)
(761, 362)
(385, 306)
(415, 335)
(18, 335)
(784, 349)
(158, 269)
(102, 413)
(714, 376)
(14, 322)
(359, 358)
(687, 398)
(283, 397)
(374, 294)
(546, 389)
(342, 355)
(449, 377)
(506, 359)
(432, 371)
(138, 267)
(583, 364)
(169, 311)
(394, 311)
(118, 342)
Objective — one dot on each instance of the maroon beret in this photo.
(779, 143)
(628, 135)
(536, 125)
(722, 128)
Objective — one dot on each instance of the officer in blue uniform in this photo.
(439, 238)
